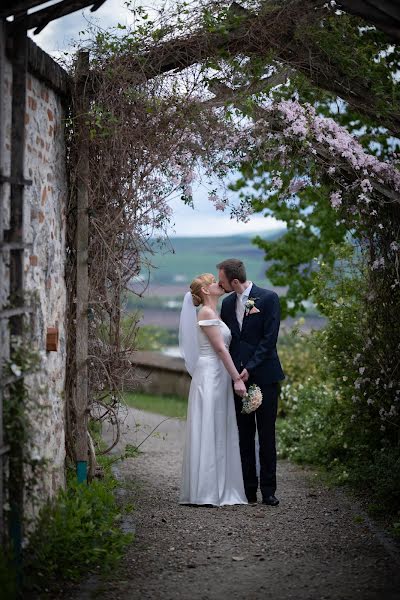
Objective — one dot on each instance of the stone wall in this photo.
(44, 231)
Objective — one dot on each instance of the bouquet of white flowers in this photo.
(252, 400)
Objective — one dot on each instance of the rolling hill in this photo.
(186, 257)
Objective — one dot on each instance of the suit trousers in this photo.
(264, 419)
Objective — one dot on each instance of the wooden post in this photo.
(3, 331)
(82, 276)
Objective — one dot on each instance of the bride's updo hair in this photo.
(198, 282)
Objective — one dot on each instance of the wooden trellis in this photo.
(12, 243)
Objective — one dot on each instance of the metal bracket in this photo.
(13, 181)
(4, 450)
(14, 245)
(13, 312)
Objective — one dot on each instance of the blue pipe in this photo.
(81, 471)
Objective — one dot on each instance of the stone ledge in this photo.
(159, 360)
(158, 374)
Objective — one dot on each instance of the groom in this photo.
(253, 316)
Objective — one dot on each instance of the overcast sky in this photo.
(58, 37)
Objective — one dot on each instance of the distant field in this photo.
(191, 256)
(170, 320)
(162, 300)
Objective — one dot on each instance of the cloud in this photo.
(58, 36)
(204, 220)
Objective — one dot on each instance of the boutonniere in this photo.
(250, 306)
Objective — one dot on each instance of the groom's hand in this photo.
(244, 375)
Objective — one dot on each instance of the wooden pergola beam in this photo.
(10, 8)
(384, 14)
(40, 18)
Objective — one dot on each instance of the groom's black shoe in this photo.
(271, 501)
(251, 497)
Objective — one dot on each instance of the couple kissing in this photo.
(226, 355)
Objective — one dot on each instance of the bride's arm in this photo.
(214, 335)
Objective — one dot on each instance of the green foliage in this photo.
(338, 291)
(311, 225)
(318, 430)
(380, 471)
(361, 59)
(153, 337)
(298, 354)
(359, 345)
(169, 406)
(76, 533)
(24, 471)
(315, 430)
(16, 418)
(7, 576)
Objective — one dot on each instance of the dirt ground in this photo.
(316, 545)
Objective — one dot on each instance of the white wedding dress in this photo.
(212, 470)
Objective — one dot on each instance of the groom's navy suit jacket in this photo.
(254, 346)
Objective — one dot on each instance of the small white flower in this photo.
(16, 370)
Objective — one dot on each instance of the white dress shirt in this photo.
(240, 302)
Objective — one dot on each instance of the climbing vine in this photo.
(185, 95)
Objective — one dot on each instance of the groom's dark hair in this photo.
(233, 269)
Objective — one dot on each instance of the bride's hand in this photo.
(240, 388)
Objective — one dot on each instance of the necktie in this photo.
(240, 302)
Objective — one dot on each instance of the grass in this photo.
(169, 406)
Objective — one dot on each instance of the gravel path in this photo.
(315, 545)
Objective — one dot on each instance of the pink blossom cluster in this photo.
(296, 118)
(336, 199)
(303, 123)
(219, 203)
(297, 184)
(364, 184)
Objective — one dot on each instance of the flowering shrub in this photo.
(318, 430)
(349, 424)
(315, 430)
(299, 358)
(360, 345)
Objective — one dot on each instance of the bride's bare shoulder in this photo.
(206, 313)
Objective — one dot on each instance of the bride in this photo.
(212, 471)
